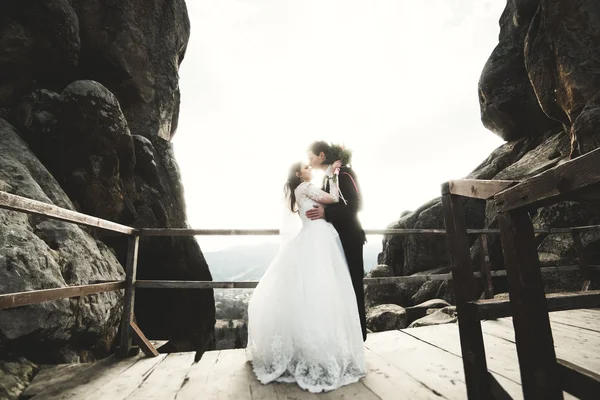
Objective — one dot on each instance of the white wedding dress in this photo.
(303, 323)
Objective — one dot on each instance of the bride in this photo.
(303, 323)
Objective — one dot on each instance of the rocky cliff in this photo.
(89, 100)
(539, 91)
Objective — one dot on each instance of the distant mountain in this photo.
(245, 263)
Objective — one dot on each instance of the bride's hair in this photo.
(293, 181)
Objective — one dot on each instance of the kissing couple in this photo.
(306, 317)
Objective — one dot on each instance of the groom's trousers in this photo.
(353, 250)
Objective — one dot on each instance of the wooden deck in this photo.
(419, 363)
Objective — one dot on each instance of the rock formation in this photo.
(539, 92)
(15, 376)
(386, 317)
(420, 310)
(40, 254)
(89, 99)
(446, 315)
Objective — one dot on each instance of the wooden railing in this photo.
(542, 375)
(130, 284)
(9, 300)
(485, 273)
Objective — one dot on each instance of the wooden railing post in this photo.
(533, 334)
(471, 337)
(486, 273)
(581, 260)
(128, 299)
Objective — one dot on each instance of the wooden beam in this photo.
(405, 232)
(22, 204)
(579, 228)
(206, 232)
(544, 270)
(273, 232)
(471, 337)
(580, 173)
(389, 232)
(478, 188)
(578, 381)
(142, 341)
(533, 336)
(11, 300)
(129, 298)
(164, 284)
(497, 308)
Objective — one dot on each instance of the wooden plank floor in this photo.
(419, 363)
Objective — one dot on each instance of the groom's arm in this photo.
(341, 211)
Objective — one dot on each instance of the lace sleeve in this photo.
(321, 196)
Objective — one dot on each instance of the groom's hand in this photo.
(317, 212)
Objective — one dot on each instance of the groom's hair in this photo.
(321, 146)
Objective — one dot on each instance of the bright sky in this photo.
(395, 80)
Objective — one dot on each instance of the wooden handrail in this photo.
(166, 284)
(389, 232)
(549, 186)
(577, 179)
(21, 204)
(496, 308)
(25, 205)
(17, 203)
(476, 188)
(275, 232)
(11, 300)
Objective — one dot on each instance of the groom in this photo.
(343, 216)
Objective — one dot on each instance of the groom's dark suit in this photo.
(345, 220)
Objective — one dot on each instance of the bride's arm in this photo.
(321, 196)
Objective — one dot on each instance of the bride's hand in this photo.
(336, 165)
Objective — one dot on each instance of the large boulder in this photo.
(386, 317)
(92, 86)
(15, 376)
(446, 315)
(39, 47)
(135, 50)
(387, 293)
(508, 103)
(39, 253)
(97, 154)
(84, 137)
(36, 117)
(420, 310)
(562, 59)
